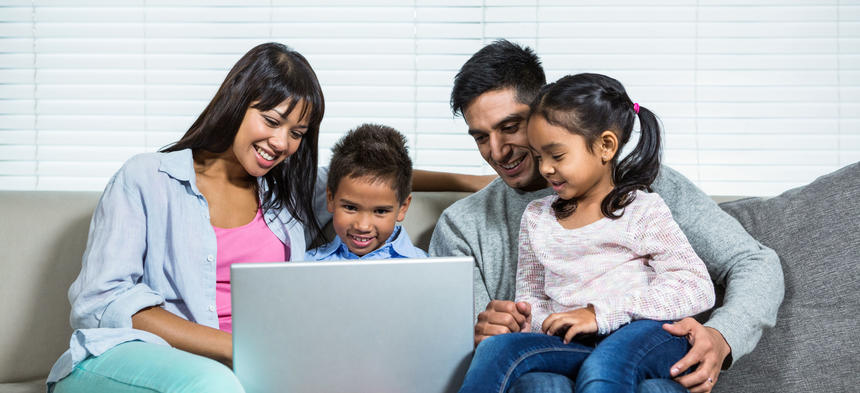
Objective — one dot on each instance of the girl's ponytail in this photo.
(639, 169)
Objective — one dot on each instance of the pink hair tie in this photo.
(636, 107)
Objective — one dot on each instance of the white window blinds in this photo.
(756, 96)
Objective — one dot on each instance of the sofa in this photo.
(815, 229)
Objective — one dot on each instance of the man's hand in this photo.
(581, 320)
(503, 316)
(708, 352)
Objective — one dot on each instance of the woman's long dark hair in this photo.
(587, 105)
(266, 76)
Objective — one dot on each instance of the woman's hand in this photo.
(579, 321)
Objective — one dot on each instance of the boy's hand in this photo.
(579, 321)
(503, 316)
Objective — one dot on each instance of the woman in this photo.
(247, 165)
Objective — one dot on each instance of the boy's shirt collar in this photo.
(398, 245)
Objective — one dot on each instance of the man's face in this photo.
(498, 123)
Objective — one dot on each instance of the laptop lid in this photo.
(398, 325)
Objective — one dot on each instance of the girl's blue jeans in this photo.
(616, 363)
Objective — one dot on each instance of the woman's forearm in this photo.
(185, 335)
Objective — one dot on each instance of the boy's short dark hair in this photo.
(376, 151)
(499, 65)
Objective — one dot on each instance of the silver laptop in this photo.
(398, 325)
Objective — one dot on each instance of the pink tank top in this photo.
(252, 242)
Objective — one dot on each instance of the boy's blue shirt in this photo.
(398, 245)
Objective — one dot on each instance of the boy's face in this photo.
(365, 212)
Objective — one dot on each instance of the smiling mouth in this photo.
(361, 241)
(262, 153)
(514, 164)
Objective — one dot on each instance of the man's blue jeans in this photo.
(618, 363)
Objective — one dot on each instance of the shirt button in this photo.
(210, 258)
(212, 308)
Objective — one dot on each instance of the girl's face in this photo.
(564, 160)
(267, 138)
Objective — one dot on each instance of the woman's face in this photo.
(267, 138)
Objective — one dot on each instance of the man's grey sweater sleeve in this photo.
(449, 240)
(750, 272)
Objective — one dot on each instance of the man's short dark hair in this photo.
(499, 65)
(375, 151)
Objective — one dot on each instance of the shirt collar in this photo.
(178, 165)
(398, 244)
(325, 251)
(402, 244)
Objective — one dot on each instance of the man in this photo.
(492, 91)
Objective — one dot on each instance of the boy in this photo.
(368, 191)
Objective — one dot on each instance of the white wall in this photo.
(757, 96)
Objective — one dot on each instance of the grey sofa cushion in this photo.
(815, 229)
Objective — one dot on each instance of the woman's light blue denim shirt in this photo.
(151, 243)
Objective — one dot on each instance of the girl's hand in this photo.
(579, 321)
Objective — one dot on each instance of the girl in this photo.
(602, 262)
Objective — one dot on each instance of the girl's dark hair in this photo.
(587, 105)
(264, 78)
